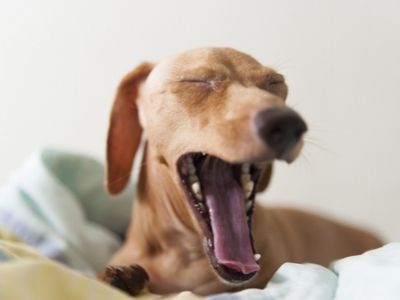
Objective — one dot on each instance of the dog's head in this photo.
(216, 119)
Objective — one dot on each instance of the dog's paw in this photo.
(131, 279)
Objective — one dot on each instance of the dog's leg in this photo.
(131, 279)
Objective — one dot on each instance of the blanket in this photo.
(374, 275)
(27, 275)
(58, 228)
(56, 203)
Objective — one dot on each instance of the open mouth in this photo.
(222, 198)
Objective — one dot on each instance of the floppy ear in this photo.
(265, 178)
(124, 132)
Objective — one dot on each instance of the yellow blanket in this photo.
(24, 274)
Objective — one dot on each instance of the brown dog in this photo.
(214, 120)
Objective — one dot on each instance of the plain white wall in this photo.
(60, 62)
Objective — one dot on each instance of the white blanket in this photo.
(57, 203)
(374, 275)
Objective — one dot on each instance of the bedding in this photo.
(375, 275)
(57, 204)
(25, 274)
(58, 228)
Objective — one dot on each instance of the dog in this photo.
(213, 121)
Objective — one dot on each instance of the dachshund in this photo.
(213, 120)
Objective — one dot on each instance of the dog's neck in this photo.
(164, 237)
(161, 218)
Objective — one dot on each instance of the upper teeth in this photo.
(249, 204)
(246, 168)
(194, 180)
(192, 168)
(245, 177)
(196, 187)
(245, 180)
(257, 257)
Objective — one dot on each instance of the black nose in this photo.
(281, 128)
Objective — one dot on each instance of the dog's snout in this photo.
(280, 128)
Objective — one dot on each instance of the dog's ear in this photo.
(124, 131)
(265, 178)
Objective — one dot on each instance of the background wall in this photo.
(60, 62)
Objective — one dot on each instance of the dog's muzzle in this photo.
(280, 128)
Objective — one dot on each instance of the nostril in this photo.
(298, 132)
(280, 128)
(275, 135)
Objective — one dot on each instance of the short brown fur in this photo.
(181, 114)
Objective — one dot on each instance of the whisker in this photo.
(310, 141)
(318, 127)
(304, 158)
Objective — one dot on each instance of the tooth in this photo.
(193, 178)
(192, 169)
(196, 187)
(244, 178)
(249, 186)
(246, 168)
(249, 204)
(197, 190)
(200, 206)
(257, 257)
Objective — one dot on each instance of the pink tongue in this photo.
(225, 201)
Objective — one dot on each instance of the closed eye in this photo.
(275, 83)
(201, 82)
(196, 80)
(275, 79)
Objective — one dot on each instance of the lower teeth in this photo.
(249, 204)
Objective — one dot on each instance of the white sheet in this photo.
(374, 275)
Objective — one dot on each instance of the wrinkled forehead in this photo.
(212, 62)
